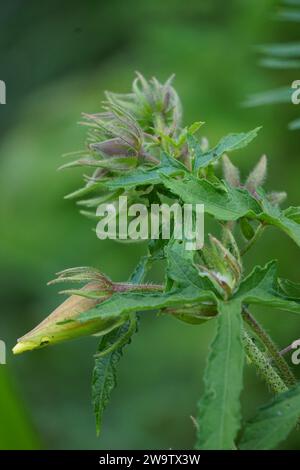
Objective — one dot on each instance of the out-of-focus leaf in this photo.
(285, 50)
(294, 125)
(278, 96)
(273, 422)
(283, 64)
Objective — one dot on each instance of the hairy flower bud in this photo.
(231, 172)
(258, 175)
(62, 324)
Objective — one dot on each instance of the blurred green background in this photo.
(56, 59)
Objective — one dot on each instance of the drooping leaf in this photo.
(104, 374)
(219, 409)
(120, 304)
(273, 422)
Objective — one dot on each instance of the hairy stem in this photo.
(263, 366)
(278, 360)
(125, 287)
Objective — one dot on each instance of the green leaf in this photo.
(263, 287)
(140, 270)
(181, 268)
(292, 213)
(219, 409)
(277, 96)
(220, 200)
(104, 374)
(289, 289)
(141, 176)
(284, 64)
(120, 304)
(283, 50)
(227, 203)
(273, 422)
(285, 220)
(246, 228)
(227, 144)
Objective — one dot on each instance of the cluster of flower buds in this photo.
(255, 179)
(128, 132)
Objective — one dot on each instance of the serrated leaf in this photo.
(273, 215)
(273, 422)
(120, 304)
(220, 200)
(219, 409)
(104, 374)
(227, 144)
(262, 287)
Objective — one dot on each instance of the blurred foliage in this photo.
(56, 59)
(283, 56)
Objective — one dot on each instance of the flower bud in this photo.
(62, 324)
(258, 175)
(231, 172)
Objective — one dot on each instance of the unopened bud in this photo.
(62, 324)
(231, 172)
(257, 175)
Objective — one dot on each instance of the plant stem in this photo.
(254, 239)
(279, 360)
(125, 287)
(264, 367)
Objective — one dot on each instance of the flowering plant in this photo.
(137, 147)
